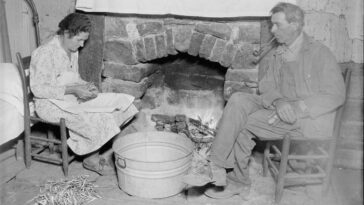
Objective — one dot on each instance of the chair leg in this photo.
(27, 147)
(265, 158)
(50, 135)
(328, 168)
(282, 168)
(64, 147)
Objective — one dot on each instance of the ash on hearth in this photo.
(194, 129)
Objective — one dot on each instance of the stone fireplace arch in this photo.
(129, 44)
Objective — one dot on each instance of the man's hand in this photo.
(285, 111)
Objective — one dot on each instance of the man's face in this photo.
(282, 30)
(75, 42)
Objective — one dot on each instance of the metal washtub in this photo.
(152, 164)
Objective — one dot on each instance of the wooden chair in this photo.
(321, 157)
(36, 147)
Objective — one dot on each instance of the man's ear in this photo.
(295, 25)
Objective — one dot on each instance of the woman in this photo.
(54, 79)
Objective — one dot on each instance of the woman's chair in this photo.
(37, 147)
(319, 160)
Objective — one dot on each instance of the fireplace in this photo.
(179, 65)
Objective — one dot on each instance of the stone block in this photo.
(228, 55)
(231, 87)
(217, 50)
(148, 28)
(139, 50)
(242, 75)
(195, 44)
(244, 58)
(207, 46)
(170, 42)
(119, 51)
(115, 28)
(121, 86)
(220, 30)
(150, 48)
(133, 73)
(182, 37)
(248, 32)
(160, 41)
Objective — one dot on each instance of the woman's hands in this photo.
(83, 92)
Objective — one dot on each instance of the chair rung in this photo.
(46, 139)
(36, 119)
(273, 166)
(275, 148)
(38, 150)
(323, 151)
(303, 157)
(47, 159)
(301, 176)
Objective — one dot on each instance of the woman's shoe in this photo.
(232, 188)
(99, 166)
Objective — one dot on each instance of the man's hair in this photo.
(74, 23)
(293, 13)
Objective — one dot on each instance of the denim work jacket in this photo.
(318, 83)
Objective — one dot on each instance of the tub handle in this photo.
(121, 163)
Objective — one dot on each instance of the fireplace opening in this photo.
(187, 85)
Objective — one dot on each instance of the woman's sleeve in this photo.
(43, 79)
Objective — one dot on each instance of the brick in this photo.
(120, 52)
(195, 44)
(161, 46)
(170, 42)
(244, 58)
(207, 46)
(220, 30)
(148, 28)
(217, 50)
(133, 73)
(182, 37)
(121, 86)
(139, 50)
(115, 28)
(242, 75)
(150, 48)
(228, 55)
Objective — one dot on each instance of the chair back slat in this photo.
(23, 69)
(339, 112)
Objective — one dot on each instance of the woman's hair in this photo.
(74, 23)
(293, 13)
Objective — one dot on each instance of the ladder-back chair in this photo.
(321, 156)
(41, 148)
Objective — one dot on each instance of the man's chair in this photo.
(41, 148)
(319, 160)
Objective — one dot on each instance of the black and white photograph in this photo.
(191, 102)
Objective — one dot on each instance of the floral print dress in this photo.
(50, 71)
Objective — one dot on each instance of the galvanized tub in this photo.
(152, 164)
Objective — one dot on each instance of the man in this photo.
(299, 95)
